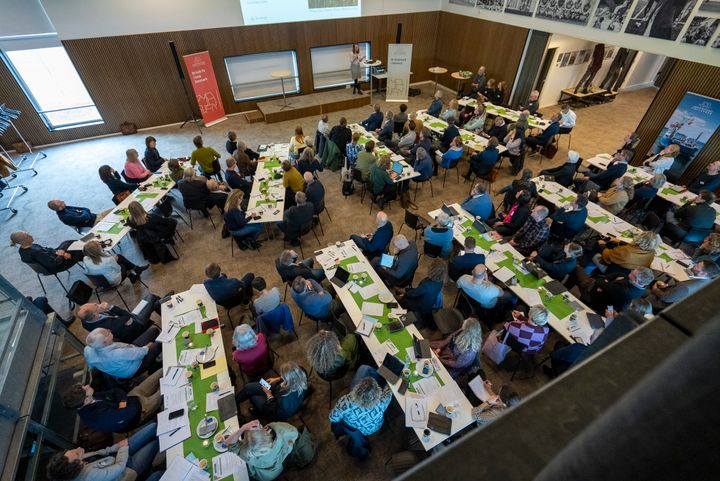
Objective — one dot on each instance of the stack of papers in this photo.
(211, 399)
(227, 464)
(478, 388)
(174, 378)
(504, 275)
(172, 431)
(372, 308)
(169, 335)
(180, 469)
(178, 397)
(426, 385)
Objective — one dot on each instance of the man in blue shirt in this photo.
(312, 299)
(375, 244)
(569, 220)
(539, 141)
(479, 203)
(465, 261)
(436, 105)
(228, 292)
(120, 360)
(374, 121)
(77, 217)
(441, 233)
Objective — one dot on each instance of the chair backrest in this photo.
(652, 222)
(357, 175)
(398, 127)
(411, 220)
(492, 175)
(272, 321)
(432, 250)
(99, 281)
(337, 374)
(39, 269)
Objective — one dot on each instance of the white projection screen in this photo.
(257, 12)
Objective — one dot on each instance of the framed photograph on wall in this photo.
(566, 58)
(610, 15)
(701, 30)
(494, 5)
(467, 3)
(573, 58)
(559, 59)
(568, 11)
(710, 6)
(716, 43)
(662, 19)
(521, 7)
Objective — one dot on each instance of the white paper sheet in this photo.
(426, 385)
(172, 438)
(188, 356)
(478, 388)
(369, 291)
(353, 287)
(390, 347)
(366, 326)
(104, 226)
(450, 394)
(169, 335)
(141, 305)
(189, 318)
(355, 267)
(177, 398)
(503, 275)
(531, 297)
(416, 411)
(211, 399)
(174, 376)
(494, 257)
(227, 464)
(411, 354)
(372, 308)
(180, 469)
(167, 425)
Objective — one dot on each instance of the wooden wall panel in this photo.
(133, 78)
(465, 43)
(685, 77)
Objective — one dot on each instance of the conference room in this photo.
(364, 239)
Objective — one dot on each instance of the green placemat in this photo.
(115, 229)
(466, 137)
(480, 240)
(627, 234)
(124, 213)
(525, 280)
(664, 256)
(437, 125)
(566, 198)
(145, 195)
(599, 219)
(162, 182)
(266, 201)
(271, 164)
(363, 140)
(669, 191)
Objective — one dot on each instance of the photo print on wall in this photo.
(610, 14)
(568, 11)
(701, 30)
(710, 6)
(494, 5)
(521, 7)
(660, 18)
(467, 3)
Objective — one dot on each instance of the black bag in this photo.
(348, 188)
(225, 232)
(80, 292)
(550, 150)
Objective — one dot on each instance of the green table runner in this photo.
(480, 240)
(124, 213)
(145, 195)
(664, 256)
(115, 229)
(437, 125)
(669, 191)
(599, 219)
(363, 140)
(161, 182)
(627, 234)
(272, 163)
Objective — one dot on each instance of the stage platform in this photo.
(312, 104)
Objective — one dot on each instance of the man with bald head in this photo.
(478, 287)
(120, 360)
(375, 244)
(77, 217)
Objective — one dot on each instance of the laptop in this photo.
(449, 210)
(439, 424)
(387, 261)
(422, 348)
(341, 277)
(595, 321)
(555, 287)
(481, 226)
(397, 167)
(391, 368)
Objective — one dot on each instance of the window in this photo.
(54, 87)
(251, 76)
(331, 65)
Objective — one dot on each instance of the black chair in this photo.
(190, 207)
(303, 232)
(357, 176)
(316, 218)
(318, 320)
(329, 378)
(414, 221)
(652, 222)
(128, 179)
(285, 280)
(447, 320)
(527, 358)
(566, 131)
(398, 127)
(375, 198)
(40, 269)
(101, 284)
(428, 180)
(407, 280)
(431, 250)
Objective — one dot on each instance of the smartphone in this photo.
(176, 414)
(392, 305)
(265, 384)
(208, 365)
(403, 387)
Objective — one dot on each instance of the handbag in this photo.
(549, 150)
(495, 349)
(79, 292)
(225, 232)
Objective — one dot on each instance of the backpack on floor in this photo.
(304, 449)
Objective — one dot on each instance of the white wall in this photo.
(675, 49)
(643, 70)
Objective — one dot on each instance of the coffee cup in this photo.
(203, 464)
(450, 411)
(406, 372)
(199, 302)
(219, 438)
(214, 386)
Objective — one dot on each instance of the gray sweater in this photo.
(108, 468)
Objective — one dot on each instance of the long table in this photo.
(607, 224)
(528, 288)
(534, 121)
(472, 141)
(675, 194)
(380, 150)
(202, 379)
(267, 197)
(347, 253)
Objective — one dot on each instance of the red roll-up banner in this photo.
(204, 84)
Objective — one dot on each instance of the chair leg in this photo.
(61, 284)
(328, 214)
(232, 247)
(321, 227)
(316, 237)
(178, 234)
(180, 215)
(122, 298)
(432, 193)
(212, 222)
(41, 284)
(189, 211)
(301, 313)
(97, 294)
(444, 177)
(285, 295)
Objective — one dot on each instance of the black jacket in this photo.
(152, 159)
(105, 414)
(341, 136)
(563, 174)
(315, 193)
(613, 291)
(116, 185)
(116, 321)
(552, 259)
(297, 217)
(568, 224)
(605, 178)
(195, 193)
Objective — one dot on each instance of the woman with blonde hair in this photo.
(617, 256)
(284, 397)
(297, 142)
(459, 350)
(134, 170)
(618, 195)
(238, 222)
(451, 111)
(154, 232)
(327, 354)
(263, 448)
(114, 268)
(251, 350)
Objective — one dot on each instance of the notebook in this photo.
(440, 424)
(481, 226)
(555, 287)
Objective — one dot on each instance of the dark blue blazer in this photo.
(705, 182)
(373, 122)
(422, 298)
(464, 264)
(106, 416)
(76, 216)
(380, 239)
(222, 288)
(450, 133)
(614, 171)
(567, 224)
(552, 259)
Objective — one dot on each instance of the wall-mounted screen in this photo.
(255, 76)
(256, 12)
(331, 65)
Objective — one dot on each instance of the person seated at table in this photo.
(531, 330)
(569, 220)
(128, 459)
(498, 97)
(663, 160)
(508, 223)
(234, 179)
(691, 222)
(709, 180)
(254, 156)
(604, 179)
(297, 218)
(327, 354)
(250, 351)
(616, 290)
(478, 83)
(292, 179)
(451, 131)
(283, 399)
(321, 133)
(77, 217)
(385, 133)
(111, 178)
(246, 165)
(422, 298)
(646, 192)
(536, 142)
(341, 134)
(196, 193)
(563, 174)
(238, 222)
(441, 233)
(423, 165)
(478, 287)
(152, 159)
(231, 142)
(297, 142)
(451, 112)
(406, 141)
(452, 155)
(120, 360)
(52, 260)
(498, 129)
(482, 163)
(125, 326)
(207, 157)
(477, 122)
(532, 103)
(372, 245)
(134, 170)
(557, 260)
(401, 118)
(176, 170)
(523, 183)
(618, 195)
(405, 261)
(663, 294)
(153, 233)
(630, 143)
(515, 145)
(366, 159)
(288, 267)
(381, 182)
(489, 90)
(264, 299)
(479, 202)
(314, 193)
(265, 449)
(496, 404)
(113, 267)
(534, 232)
(465, 261)
(466, 114)
(374, 121)
(709, 249)
(436, 105)
(114, 410)
(567, 119)
(618, 256)
(312, 299)
(458, 351)
(424, 141)
(227, 291)
(308, 162)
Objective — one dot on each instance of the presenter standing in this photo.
(355, 59)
